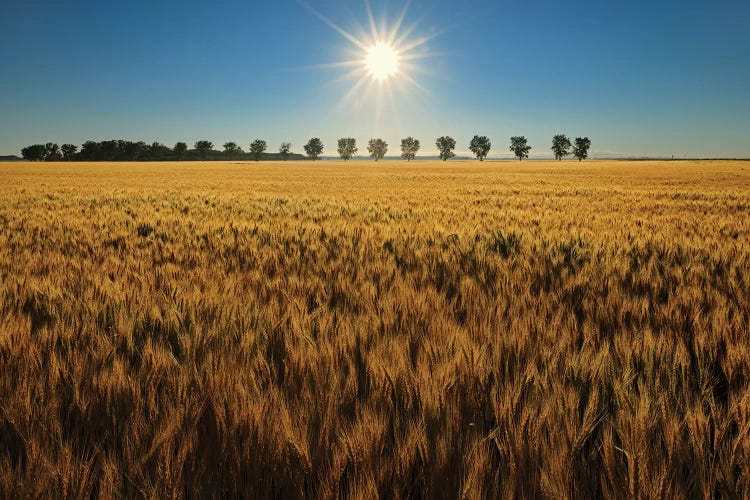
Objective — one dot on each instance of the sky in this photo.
(639, 78)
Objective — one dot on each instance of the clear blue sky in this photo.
(638, 77)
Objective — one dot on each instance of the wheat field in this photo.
(298, 330)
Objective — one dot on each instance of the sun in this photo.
(382, 61)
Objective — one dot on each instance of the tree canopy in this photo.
(520, 147)
(203, 147)
(480, 146)
(52, 152)
(121, 150)
(231, 150)
(257, 148)
(409, 148)
(35, 152)
(69, 151)
(581, 148)
(445, 146)
(347, 148)
(377, 148)
(179, 150)
(313, 148)
(560, 146)
(285, 149)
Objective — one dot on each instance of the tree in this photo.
(480, 146)
(35, 152)
(52, 152)
(377, 148)
(520, 147)
(231, 149)
(203, 147)
(130, 151)
(179, 150)
(347, 148)
(157, 151)
(69, 151)
(285, 149)
(257, 148)
(409, 148)
(108, 150)
(560, 146)
(581, 148)
(445, 146)
(314, 148)
(90, 151)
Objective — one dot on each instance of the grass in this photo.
(436, 330)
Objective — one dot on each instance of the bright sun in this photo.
(382, 61)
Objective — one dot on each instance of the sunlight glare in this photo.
(381, 61)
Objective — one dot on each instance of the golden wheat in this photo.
(430, 329)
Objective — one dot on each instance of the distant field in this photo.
(496, 329)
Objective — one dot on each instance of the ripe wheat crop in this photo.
(504, 330)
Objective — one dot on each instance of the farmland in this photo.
(299, 329)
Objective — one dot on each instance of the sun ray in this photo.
(362, 80)
(397, 42)
(383, 31)
(417, 43)
(342, 64)
(334, 26)
(421, 55)
(397, 25)
(373, 25)
(421, 99)
(378, 105)
(416, 84)
(355, 73)
(394, 108)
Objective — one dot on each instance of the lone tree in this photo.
(257, 148)
(179, 150)
(35, 152)
(285, 149)
(409, 148)
(445, 146)
(203, 147)
(314, 148)
(520, 147)
(480, 146)
(377, 148)
(69, 151)
(581, 148)
(560, 146)
(347, 148)
(231, 149)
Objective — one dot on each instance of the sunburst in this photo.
(382, 59)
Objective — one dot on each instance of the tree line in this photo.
(119, 150)
(480, 146)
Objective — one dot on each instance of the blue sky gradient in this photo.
(640, 78)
